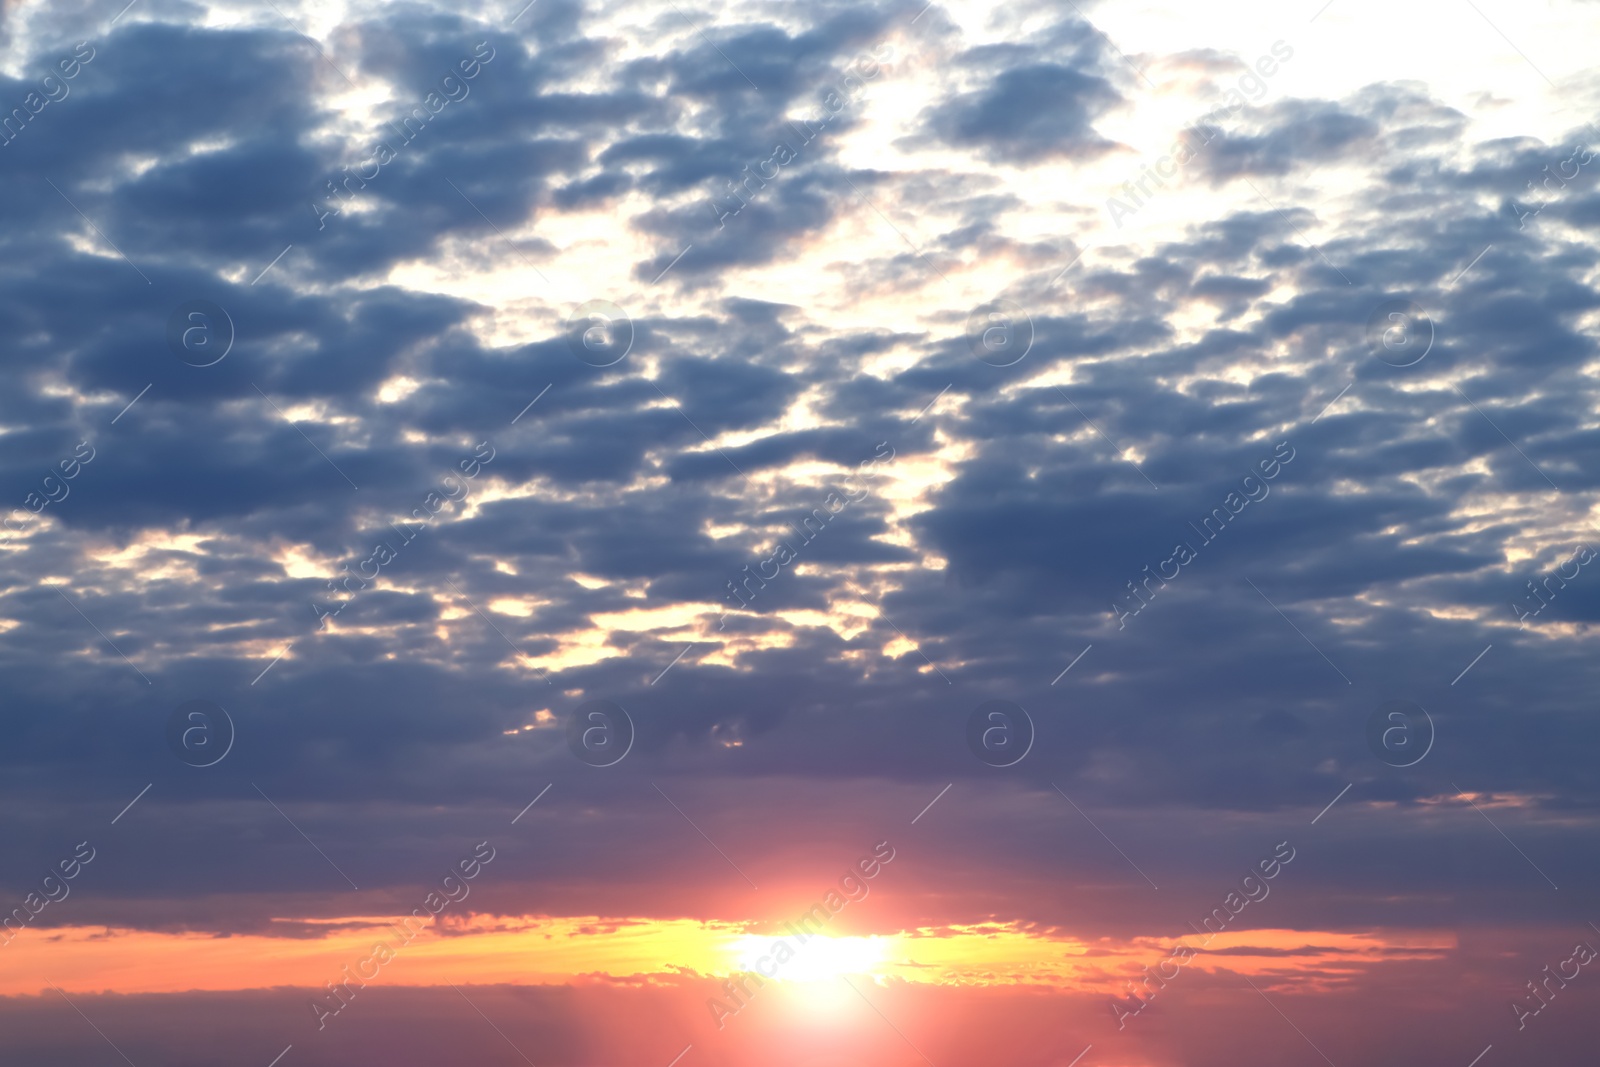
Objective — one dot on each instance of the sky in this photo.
(581, 534)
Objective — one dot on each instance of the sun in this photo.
(818, 959)
(815, 977)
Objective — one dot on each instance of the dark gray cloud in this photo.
(1002, 541)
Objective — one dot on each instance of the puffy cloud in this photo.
(771, 351)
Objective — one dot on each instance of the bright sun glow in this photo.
(819, 959)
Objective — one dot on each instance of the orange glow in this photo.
(544, 951)
(819, 959)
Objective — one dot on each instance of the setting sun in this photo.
(909, 533)
(820, 958)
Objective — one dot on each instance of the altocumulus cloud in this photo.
(770, 355)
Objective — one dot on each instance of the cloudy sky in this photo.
(799, 534)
